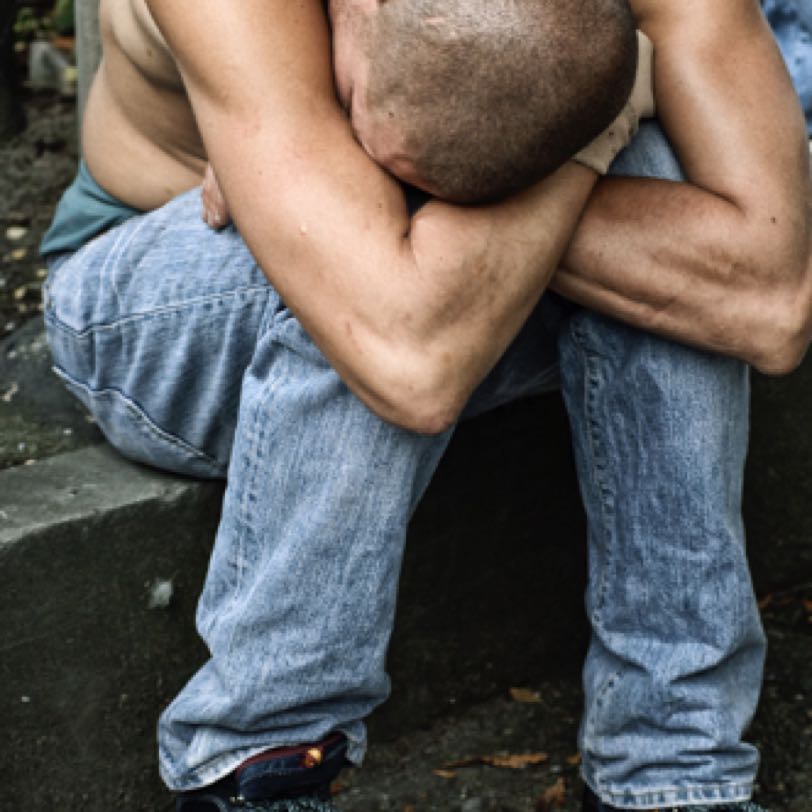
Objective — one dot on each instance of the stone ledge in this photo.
(74, 490)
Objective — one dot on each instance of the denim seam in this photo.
(670, 795)
(596, 458)
(155, 313)
(137, 412)
(597, 455)
(250, 463)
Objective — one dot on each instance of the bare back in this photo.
(140, 139)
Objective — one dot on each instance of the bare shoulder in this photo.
(280, 48)
(696, 18)
(127, 26)
(140, 139)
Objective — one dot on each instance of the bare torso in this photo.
(140, 139)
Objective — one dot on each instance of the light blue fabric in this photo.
(791, 20)
(83, 211)
(189, 360)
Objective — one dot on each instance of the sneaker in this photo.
(286, 779)
(593, 804)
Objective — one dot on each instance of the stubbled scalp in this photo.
(491, 95)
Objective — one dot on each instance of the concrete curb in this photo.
(70, 491)
(100, 565)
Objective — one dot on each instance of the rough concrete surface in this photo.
(38, 418)
(86, 654)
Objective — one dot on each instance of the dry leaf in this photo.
(525, 695)
(574, 760)
(514, 761)
(553, 797)
(15, 233)
(9, 394)
(19, 253)
(517, 762)
(807, 607)
(765, 602)
(445, 773)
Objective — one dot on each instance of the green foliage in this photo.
(30, 24)
(62, 16)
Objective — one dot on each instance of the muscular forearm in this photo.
(412, 313)
(468, 278)
(723, 261)
(687, 264)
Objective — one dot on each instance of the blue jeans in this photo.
(189, 360)
(791, 20)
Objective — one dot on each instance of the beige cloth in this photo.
(600, 153)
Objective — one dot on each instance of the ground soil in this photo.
(403, 774)
(412, 774)
(35, 167)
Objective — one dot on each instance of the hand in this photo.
(600, 153)
(215, 208)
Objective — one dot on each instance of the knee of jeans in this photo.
(651, 369)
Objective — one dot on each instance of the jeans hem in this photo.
(221, 766)
(683, 796)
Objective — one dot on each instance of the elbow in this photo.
(415, 391)
(781, 333)
(431, 417)
(785, 347)
(420, 403)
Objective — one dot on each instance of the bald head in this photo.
(474, 99)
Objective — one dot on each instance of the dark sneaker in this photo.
(593, 804)
(288, 779)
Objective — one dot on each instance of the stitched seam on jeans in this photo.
(741, 792)
(249, 463)
(158, 312)
(137, 412)
(605, 496)
(597, 467)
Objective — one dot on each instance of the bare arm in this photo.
(724, 261)
(411, 313)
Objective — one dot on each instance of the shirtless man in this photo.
(153, 323)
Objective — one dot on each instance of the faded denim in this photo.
(189, 360)
(791, 20)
